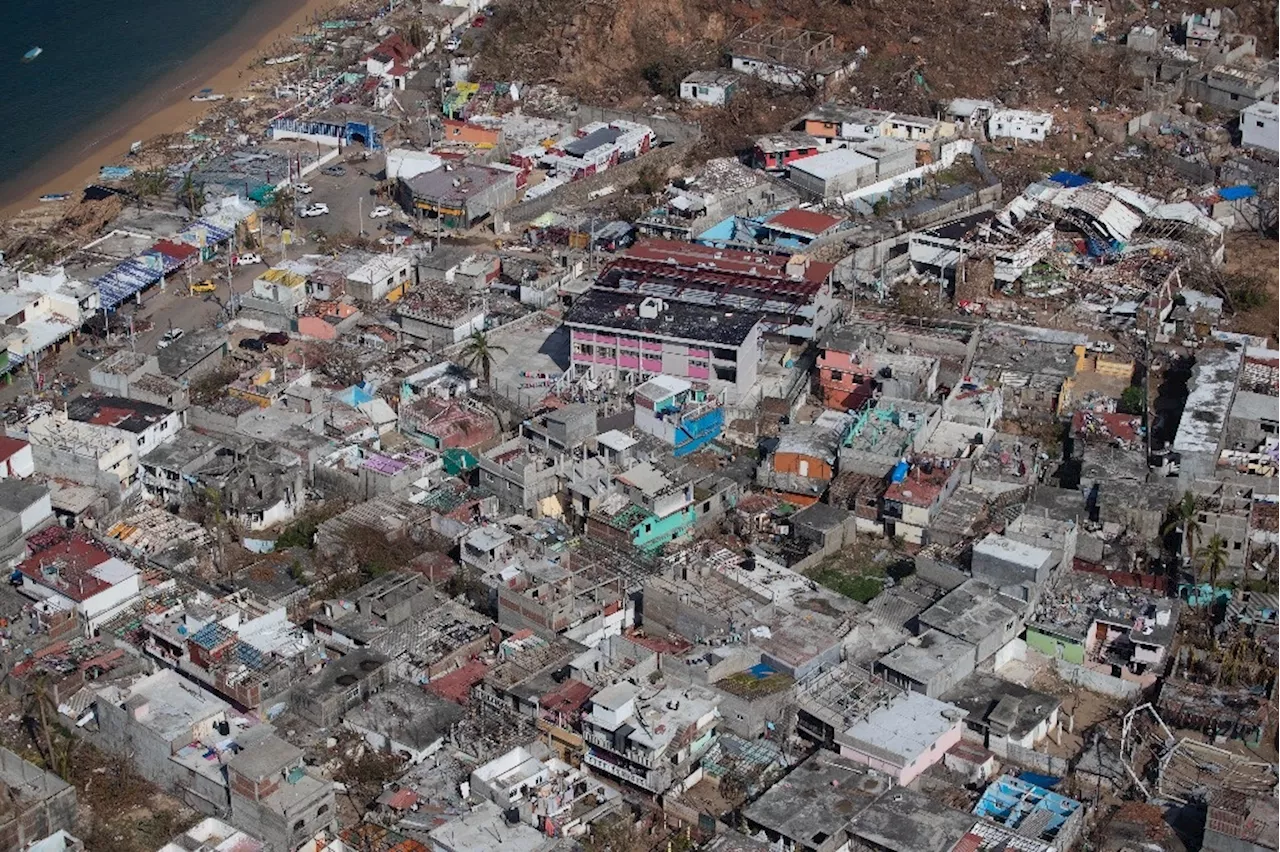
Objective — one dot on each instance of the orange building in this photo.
(470, 134)
(804, 461)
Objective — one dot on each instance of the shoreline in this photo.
(165, 106)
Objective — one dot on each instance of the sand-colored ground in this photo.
(224, 67)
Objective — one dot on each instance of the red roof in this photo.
(1106, 425)
(181, 251)
(394, 48)
(803, 221)
(400, 800)
(569, 698)
(67, 568)
(699, 257)
(673, 645)
(9, 446)
(919, 488)
(456, 685)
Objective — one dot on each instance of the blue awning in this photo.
(127, 279)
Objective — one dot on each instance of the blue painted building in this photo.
(676, 413)
(1032, 811)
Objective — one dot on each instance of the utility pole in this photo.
(360, 213)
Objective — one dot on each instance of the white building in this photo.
(649, 739)
(382, 276)
(143, 424)
(78, 576)
(708, 87)
(284, 287)
(28, 502)
(405, 163)
(1019, 124)
(16, 459)
(82, 452)
(75, 300)
(1260, 126)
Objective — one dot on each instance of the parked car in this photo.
(453, 44)
(171, 336)
(303, 188)
(252, 344)
(246, 259)
(208, 285)
(275, 338)
(397, 240)
(91, 353)
(400, 228)
(380, 212)
(313, 210)
(335, 171)
(478, 21)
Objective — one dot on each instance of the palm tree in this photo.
(192, 193)
(1214, 562)
(1183, 517)
(280, 208)
(145, 185)
(417, 36)
(479, 351)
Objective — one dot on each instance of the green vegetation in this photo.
(301, 533)
(1131, 400)
(861, 588)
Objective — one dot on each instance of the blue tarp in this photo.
(899, 472)
(1070, 179)
(1235, 193)
(1046, 781)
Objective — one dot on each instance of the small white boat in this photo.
(207, 95)
(55, 196)
(283, 60)
(32, 54)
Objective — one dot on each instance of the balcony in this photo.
(653, 782)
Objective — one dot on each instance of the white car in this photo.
(246, 259)
(173, 335)
(1101, 346)
(453, 44)
(303, 188)
(380, 211)
(313, 210)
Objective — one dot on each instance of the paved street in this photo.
(350, 200)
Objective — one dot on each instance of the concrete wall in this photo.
(944, 576)
(747, 718)
(79, 469)
(28, 819)
(664, 609)
(1036, 760)
(1096, 681)
(120, 734)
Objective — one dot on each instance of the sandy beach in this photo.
(223, 66)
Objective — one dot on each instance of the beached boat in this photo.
(32, 54)
(283, 60)
(55, 196)
(207, 95)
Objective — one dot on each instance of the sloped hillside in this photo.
(918, 51)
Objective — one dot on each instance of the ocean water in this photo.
(97, 55)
